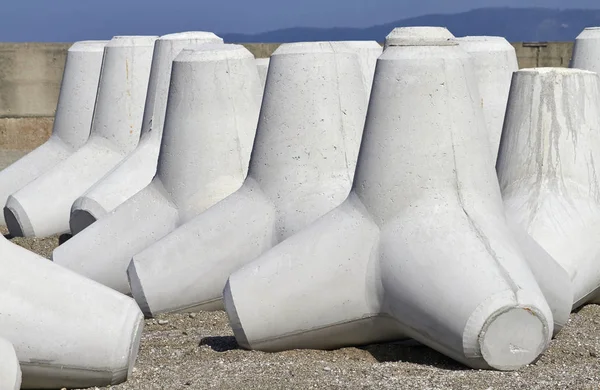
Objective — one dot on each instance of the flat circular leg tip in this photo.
(16, 218)
(513, 338)
(234, 319)
(135, 346)
(137, 290)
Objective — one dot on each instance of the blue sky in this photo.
(71, 20)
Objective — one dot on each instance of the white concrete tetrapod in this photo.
(262, 64)
(547, 169)
(302, 167)
(42, 207)
(421, 241)
(212, 112)
(68, 331)
(72, 120)
(586, 51)
(495, 61)
(10, 371)
(137, 170)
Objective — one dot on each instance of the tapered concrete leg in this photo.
(42, 207)
(553, 279)
(137, 170)
(302, 167)
(212, 111)
(403, 246)
(317, 289)
(241, 226)
(72, 121)
(10, 371)
(90, 339)
(586, 52)
(495, 61)
(547, 168)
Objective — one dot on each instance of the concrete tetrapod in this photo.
(137, 170)
(421, 240)
(10, 371)
(42, 207)
(495, 61)
(547, 169)
(68, 331)
(302, 167)
(72, 120)
(212, 112)
(586, 51)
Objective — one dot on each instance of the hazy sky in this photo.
(71, 20)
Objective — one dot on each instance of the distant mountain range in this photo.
(515, 24)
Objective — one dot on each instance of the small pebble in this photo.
(163, 322)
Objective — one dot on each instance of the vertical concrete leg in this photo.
(424, 218)
(72, 121)
(10, 371)
(495, 61)
(137, 170)
(203, 158)
(90, 339)
(42, 207)
(586, 52)
(547, 169)
(368, 53)
(302, 167)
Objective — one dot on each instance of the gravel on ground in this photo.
(198, 351)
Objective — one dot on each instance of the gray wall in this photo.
(30, 76)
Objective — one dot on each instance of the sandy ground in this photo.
(198, 351)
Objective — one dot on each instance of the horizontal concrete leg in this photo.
(42, 207)
(103, 250)
(456, 280)
(124, 181)
(57, 344)
(10, 371)
(29, 167)
(553, 280)
(187, 270)
(318, 289)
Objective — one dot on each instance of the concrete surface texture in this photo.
(45, 313)
(302, 166)
(10, 371)
(425, 215)
(42, 207)
(137, 170)
(262, 65)
(72, 123)
(413, 36)
(547, 170)
(586, 52)
(495, 61)
(212, 112)
(368, 53)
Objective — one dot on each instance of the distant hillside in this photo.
(515, 24)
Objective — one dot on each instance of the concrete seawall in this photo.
(31, 73)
